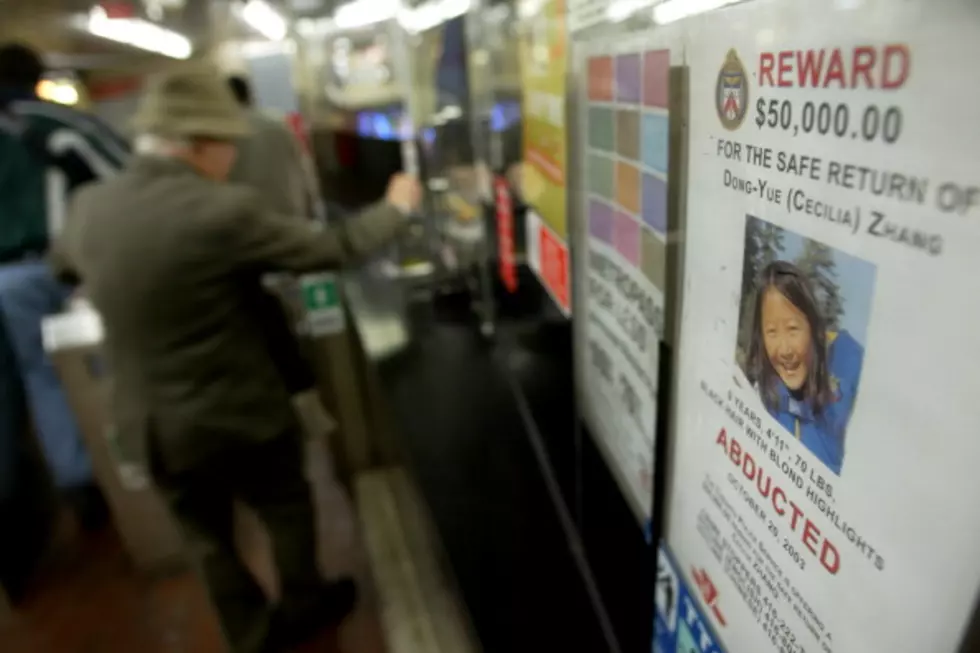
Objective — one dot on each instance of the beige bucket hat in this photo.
(191, 100)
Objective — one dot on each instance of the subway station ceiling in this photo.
(57, 27)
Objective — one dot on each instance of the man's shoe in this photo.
(295, 622)
(90, 507)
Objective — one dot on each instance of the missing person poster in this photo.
(825, 485)
(625, 141)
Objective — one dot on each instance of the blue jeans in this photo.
(29, 292)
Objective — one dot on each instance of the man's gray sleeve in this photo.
(273, 242)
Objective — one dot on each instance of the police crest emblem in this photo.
(732, 92)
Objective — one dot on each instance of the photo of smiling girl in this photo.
(807, 374)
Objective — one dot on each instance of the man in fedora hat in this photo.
(168, 252)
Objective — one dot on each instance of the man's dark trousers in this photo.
(268, 477)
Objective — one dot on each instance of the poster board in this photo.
(824, 484)
(543, 47)
(625, 130)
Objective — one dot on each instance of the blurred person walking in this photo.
(168, 253)
(271, 161)
(47, 151)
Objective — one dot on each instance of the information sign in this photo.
(825, 462)
(321, 299)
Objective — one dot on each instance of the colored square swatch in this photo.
(653, 259)
(628, 187)
(601, 129)
(600, 180)
(656, 78)
(628, 78)
(626, 237)
(601, 79)
(628, 134)
(601, 221)
(656, 141)
(655, 202)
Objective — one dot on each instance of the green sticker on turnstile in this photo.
(321, 299)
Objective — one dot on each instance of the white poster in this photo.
(625, 145)
(825, 483)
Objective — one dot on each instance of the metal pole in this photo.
(481, 104)
(402, 58)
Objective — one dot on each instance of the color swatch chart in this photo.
(626, 166)
(627, 137)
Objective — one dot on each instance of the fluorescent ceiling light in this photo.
(140, 34)
(673, 10)
(362, 13)
(433, 13)
(618, 11)
(60, 91)
(529, 8)
(264, 19)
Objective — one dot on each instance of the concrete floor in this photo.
(94, 602)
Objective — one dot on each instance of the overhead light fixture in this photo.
(674, 10)
(362, 13)
(61, 91)
(265, 20)
(529, 8)
(139, 34)
(432, 13)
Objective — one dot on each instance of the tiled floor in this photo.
(95, 603)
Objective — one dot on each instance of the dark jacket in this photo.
(169, 259)
(46, 152)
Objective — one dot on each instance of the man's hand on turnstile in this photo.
(404, 193)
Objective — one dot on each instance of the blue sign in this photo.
(679, 624)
